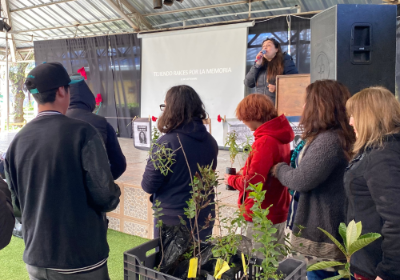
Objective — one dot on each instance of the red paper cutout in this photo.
(98, 99)
(82, 71)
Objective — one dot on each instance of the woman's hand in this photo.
(259, 58)
(273, 170)
(271, 88)
(378, 278)
(226, 178)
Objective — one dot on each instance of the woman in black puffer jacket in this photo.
(270, 62)
(372, 182)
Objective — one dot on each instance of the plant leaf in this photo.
(359, 229)
(337, 277)
(342, 232)
(344, 273)
(368, 235)
(351, 233)
(363, 241)
(323, 265)
(340, 246)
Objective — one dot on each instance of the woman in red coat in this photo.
(272, 136)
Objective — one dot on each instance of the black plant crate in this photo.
(138, 265)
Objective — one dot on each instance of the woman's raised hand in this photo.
(259, 57)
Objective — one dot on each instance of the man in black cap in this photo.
(81, 107)
(61, 184)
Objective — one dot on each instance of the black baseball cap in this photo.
(46, 77)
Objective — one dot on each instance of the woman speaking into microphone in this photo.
(270, 62)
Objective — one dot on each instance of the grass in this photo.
(12, 266)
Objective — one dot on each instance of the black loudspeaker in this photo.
(355, 45)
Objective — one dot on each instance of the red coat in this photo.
(270, 147)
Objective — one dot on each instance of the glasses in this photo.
(162, 107)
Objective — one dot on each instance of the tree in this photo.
(17, 78)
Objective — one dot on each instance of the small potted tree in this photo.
(233, 151)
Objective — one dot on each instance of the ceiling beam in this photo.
(28, 55)
(122, 14)
(86, 34)
(2, 62)
(17, 40)
(65, 26)
(6, 14)
(226, 22)
(20, 50)
(40, 5)
(198, 8)
(25, 49)
(225, 15)
(136, 14)
(129, 30)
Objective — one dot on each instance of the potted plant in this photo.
(233, 151)
(225, 249)
(231, 253)
(352, 242)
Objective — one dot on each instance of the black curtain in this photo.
(112, 65)
(278, 28)
(51, 51)
(125, 58)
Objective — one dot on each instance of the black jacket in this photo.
(2, 167)
(372, 185)
(81, 107)
(60, 180)
(6, 215)
(173, 190)
(257, 76)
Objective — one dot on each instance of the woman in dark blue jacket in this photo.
(372, 182)
(270, 62)
(183, 117)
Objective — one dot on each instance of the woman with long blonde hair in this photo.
(372, 181)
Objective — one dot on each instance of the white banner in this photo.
(211, 60)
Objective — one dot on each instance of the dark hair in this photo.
(48, 96)
(182, 105)
(325, 109)
(256, 107)
(276, 65)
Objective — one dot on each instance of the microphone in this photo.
(260, 56)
